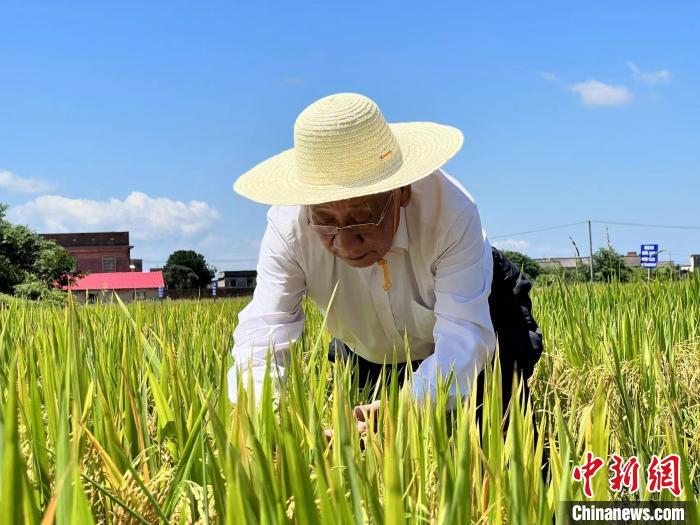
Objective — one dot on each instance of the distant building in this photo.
(137, 265)
(561, 262)
(695, 263)
(631, 259)
(99, 252)
(129, 286)
(240, 279)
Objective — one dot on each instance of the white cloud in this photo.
(549, 77)
(596, 93)
(11, 182)
(511, 244)
(146, 218)
(650, 77)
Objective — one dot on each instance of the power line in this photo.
(616, 223)
(668, 226)
(536, 231)
(549, 228)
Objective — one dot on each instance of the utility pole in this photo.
(590, 250)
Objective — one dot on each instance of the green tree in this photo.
(661, 273)
(187, 269)
(609, 265)
(29, 262)
(525, 264)
(54, 264)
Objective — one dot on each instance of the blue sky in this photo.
(140, 116)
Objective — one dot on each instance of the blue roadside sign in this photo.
(214, 284)
(649, 255)
(161, 292)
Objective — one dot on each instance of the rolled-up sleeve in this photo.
(273, 318)
(463, 332)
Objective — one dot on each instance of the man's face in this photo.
(359, 250)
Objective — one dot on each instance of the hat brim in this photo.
(425, 146)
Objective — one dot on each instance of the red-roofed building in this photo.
(129, 286)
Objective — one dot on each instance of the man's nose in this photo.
(347, 241)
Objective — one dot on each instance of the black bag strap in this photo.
(519, 337)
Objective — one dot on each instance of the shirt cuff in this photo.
(424, 390)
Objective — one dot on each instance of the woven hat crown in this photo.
(343, 139)
(344, 148)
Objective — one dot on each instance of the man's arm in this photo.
(274, 316)
(463, 332)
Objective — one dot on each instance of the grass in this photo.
(115, 414)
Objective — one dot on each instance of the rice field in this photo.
(114, 414)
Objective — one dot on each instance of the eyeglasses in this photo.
(362, 229)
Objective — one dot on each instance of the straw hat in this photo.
(343, 148)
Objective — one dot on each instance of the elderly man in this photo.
(364, 204)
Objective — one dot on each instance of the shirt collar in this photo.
(401, 236)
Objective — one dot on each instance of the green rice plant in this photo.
(118, 413)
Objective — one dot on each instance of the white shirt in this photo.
(440, 267)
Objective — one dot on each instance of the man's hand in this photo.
(364, 415)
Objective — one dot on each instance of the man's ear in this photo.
(405, 195)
